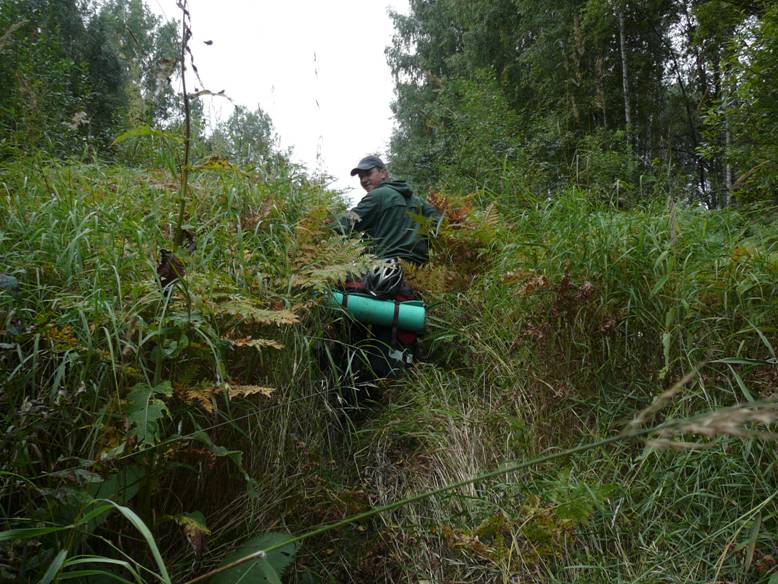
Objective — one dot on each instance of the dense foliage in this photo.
(112, 385)
(204, 408)
(74, 74)
(168, 399)
(78, 74)
(625, 98)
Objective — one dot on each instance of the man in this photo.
(386, 214)
(391, 215)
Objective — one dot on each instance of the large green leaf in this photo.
(265, 570)
(36, 532)
(119, 487)
(146, 411)
(81, 560)
(29, 532)
(138, 523)
(54, 567)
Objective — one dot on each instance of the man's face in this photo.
(370, 179)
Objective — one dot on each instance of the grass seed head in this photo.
(736, 422)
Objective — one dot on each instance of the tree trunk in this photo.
(703, 89)
(600, 97)
(625, 73)
(727, 106)
(727, 164)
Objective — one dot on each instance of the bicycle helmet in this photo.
(384, 281)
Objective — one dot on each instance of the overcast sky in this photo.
(318, 68)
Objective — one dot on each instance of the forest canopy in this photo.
(640, 97)
(77, 74)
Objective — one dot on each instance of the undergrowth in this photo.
(580, 320)
(203, 407)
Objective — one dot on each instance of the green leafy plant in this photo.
(146, 411)
(265, 568)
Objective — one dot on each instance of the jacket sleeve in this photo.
(362, 217)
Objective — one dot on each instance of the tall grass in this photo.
(551, 326)
(92, 328)
(587, 315)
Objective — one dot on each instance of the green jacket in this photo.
(386, 215)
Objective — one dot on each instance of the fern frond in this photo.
(491, 216)
(203, 397)
(330, 261)
(246, 311)
(430, 278)
(257, 344)
(246, 390)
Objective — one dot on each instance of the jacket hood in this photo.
(400, 186)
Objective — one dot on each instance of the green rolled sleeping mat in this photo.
(410, 314)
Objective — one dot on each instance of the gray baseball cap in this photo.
(367, 163)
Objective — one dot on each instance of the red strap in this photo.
(395, 321)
